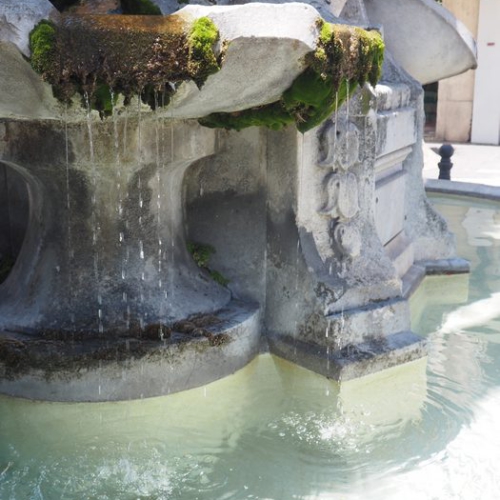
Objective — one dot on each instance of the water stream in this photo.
(274, 431)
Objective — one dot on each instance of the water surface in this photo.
(427, 430)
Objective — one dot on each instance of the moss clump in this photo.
(202, 61)
(6, 264)
(140, 7)
(201, 254)
(90, 55)
(273, 116)
(43, 47)
(345, 57)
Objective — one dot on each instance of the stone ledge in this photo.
(352, 361)
(480, 191)
(422, 268)
(131, 368)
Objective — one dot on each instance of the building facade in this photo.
(468, 106)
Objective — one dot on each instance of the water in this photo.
(427, 430)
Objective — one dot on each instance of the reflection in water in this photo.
(275, 431)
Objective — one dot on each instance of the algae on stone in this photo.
(201, 254)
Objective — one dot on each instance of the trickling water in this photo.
(140, 196)
(71, 251)
(95, 218)
(346, 147)
(160, 166)
(335, 124)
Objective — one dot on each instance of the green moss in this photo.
(131, 55)
(102, 100)
(6, 264)
(43, 40)
(201, 41)
(140, 7)
(273, 116)
(201, 254)
(218, 278)
(345, 57)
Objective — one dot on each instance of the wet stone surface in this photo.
(55, 350)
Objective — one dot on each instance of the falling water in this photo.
(171, 254)
(119, 185)
(95, 224)
(297, 251)
(71, 251)
(160, 165)
(347, 104)
(141, 203)
(327, 335)
(335, 125)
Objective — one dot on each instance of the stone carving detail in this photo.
(339, 143)
(342, 192)
(340, 151)
(348, 239)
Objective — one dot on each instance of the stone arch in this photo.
(15, 206)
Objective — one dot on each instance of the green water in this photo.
(428, 430)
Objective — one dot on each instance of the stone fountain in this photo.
(172, 214)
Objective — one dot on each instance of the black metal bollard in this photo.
(445, 152)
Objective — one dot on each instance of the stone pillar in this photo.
(105, 246)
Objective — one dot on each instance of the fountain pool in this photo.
(424, 430)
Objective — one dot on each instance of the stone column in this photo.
(105, 246)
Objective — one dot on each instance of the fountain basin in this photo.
(318, 238)
(273, 417)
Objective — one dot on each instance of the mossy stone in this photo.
(42, 41)
(202, 61)
(344, 58)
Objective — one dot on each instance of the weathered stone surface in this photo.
(327, 8)
(18, 17)
(130, 368)
(22, 92)
(424, 38)
(263, 58)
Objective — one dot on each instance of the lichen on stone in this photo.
(345, 58)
